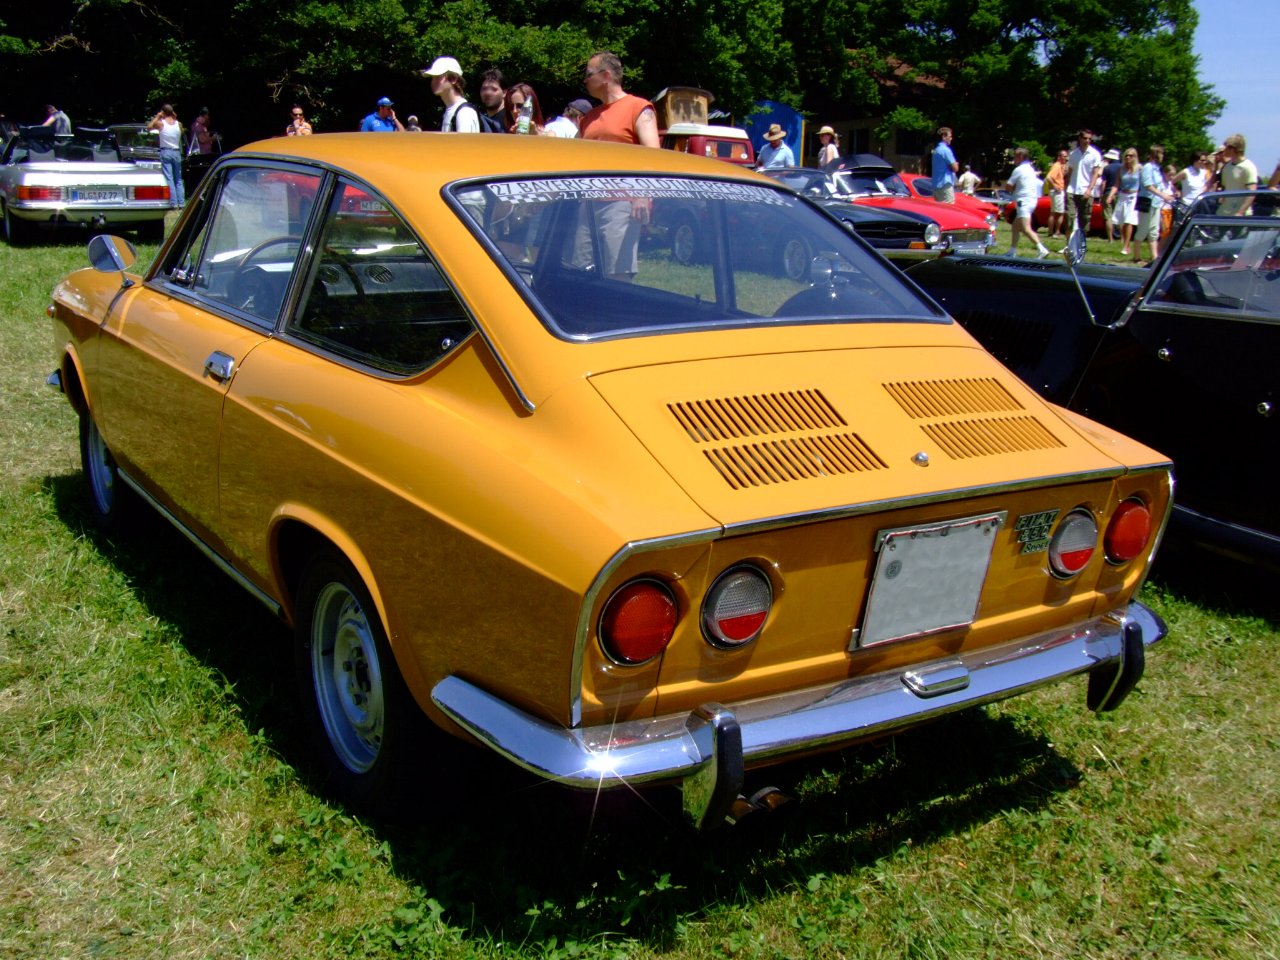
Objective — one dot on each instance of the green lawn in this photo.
(154, 801)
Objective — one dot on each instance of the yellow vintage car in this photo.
(452, 409)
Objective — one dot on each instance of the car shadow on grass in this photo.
(511, 858)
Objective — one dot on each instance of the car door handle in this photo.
(220, 366)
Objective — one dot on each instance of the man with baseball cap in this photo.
(566, 125)
(382, 120)
(446, 83)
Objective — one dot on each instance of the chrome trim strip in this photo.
(218, 560)
(679, 746)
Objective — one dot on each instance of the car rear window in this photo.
(616, 255)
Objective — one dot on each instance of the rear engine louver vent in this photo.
(764, 439)
(951, 405)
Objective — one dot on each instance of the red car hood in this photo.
(949, 217)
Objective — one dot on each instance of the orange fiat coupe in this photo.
(513, 473)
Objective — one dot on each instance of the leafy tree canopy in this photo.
(999, 72)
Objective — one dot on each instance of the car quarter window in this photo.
(243, 248)
(1229, 267)
(624, 255)
(374, 295)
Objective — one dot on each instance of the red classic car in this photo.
(922, 187)
(867, 179)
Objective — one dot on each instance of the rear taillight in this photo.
(638, 622)
(151, 193)
(39, 193)
(1128, 532)
(1073, 543)
(736, 607)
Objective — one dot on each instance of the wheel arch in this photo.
(73, 386)
(297, 534)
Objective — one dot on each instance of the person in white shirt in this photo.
(446, 83)
(166, 123)
(1084, 168)
(1026, 186)
(566, 125)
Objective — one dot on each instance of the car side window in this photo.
(1225, 266)
(374, 295)
(244, 251)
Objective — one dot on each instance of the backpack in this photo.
(487, 123)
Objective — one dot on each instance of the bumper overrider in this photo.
(708, 749)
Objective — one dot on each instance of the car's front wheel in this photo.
(362, 721)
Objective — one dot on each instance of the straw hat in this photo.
(775, 132)
(826, 130)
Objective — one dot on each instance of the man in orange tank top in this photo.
(621, 117)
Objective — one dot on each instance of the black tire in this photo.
(16, 230)
(367, 734)
(151, 231)
(110, 501)
(685, 242)
(793, 256)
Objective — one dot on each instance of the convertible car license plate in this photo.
(97, 196)
(928, 578)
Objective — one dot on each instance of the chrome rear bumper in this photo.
(708, 748)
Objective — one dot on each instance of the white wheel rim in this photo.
(347, 677)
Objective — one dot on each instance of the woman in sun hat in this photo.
(829, 152)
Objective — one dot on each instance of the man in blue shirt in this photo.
(383, 120)
(775, 153)
(944, 169)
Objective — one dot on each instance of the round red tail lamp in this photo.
(638, 622)
(1128, 532)
(736, 607)
(1073, 543)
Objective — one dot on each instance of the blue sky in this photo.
(1240, 58)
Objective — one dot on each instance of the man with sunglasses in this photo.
(621, 117)
(298, 126)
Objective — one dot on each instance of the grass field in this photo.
(154, 799)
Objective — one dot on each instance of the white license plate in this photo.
(975, 247)
(97, 196)
(372, 206)
(928, 578)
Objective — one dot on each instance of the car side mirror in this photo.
(1074, 251)
(108, 254)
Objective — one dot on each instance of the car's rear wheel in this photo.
(684, 241)
(793, 257)
(151, 231)
(16, 230)
(360, 716)
(109, 498)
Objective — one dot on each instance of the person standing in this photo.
(566, 125)
(775, 152)
(944, 168)
(968, 181)
(621, 117)
(411, 124)
(382, 120)
(170, 132)
(1235, 172)
(829, 151)
(1124, 196)
(1151, 199)
(518, 95)
(446, 83)
(1084, 168)
(298, 126)
(493, 101)
(201, 135)
(1110, 175)
(1056, 182)
(55, 118)
(1193, 179)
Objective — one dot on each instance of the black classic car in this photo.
(1184, 356)
(880, 227)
